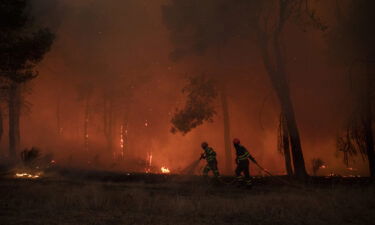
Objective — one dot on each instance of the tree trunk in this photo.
(108, 124)
(226, 121)
(124, 135)
(58, 116)
(86, 124)
(14, 116)
(271, 48)
(286, 146)
(1, 124)
(298, 160)
(369, 138)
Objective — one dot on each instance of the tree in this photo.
(352, 39)
(22, 47)
(196, 27)
(85, 94)
(283, 144)
(268, 23)
(199, 108)
(316, 163)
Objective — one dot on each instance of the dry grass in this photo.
(73, 202)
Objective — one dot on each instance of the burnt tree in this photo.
(352, 41)
(22, 46)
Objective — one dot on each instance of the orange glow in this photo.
(149, 159)
(28, 175)
(164, 170)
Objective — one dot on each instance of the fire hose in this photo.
(262, 169)
(271, 175)
(278, 178)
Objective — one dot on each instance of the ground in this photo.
(162, 199)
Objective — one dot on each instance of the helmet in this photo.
(204, 144)
(236, 141)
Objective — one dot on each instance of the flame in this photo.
(122, 137)
(323, 166)
(149, 159)
(164, 170)
(28, 175)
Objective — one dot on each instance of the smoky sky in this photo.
(121, 48)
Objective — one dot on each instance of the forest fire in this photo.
(150, 111)
(165, 170)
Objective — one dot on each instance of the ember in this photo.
(28, 175)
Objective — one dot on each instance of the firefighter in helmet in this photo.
(242, 161)
(210, 155)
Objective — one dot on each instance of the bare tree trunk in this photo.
(226, 122)
(86, 124)
(286, 146)
(226, 118)
(270, 48)
(124, 135)
(298, 160)
(108, 123)
(1, 124)
(58, 116)
(14, 115)
(368, 120)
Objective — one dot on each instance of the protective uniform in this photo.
(210, 156)
(242, 161)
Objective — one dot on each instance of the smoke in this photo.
(120, 51)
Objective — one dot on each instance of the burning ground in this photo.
(79, 198)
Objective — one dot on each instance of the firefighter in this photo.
(210, 156)
(242, 161)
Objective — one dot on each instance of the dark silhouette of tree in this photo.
(283, 144)
(197, 25)
(269, 22)
(22, 47)
(85, 95)
(352, 39)
(316, 163)
(199, 106)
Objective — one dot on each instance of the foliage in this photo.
(199, 107)
(353, 141)
(352, 36)
(22, 45)
(12, 14)
(29, 156)
(197, 25)
(351, 41)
